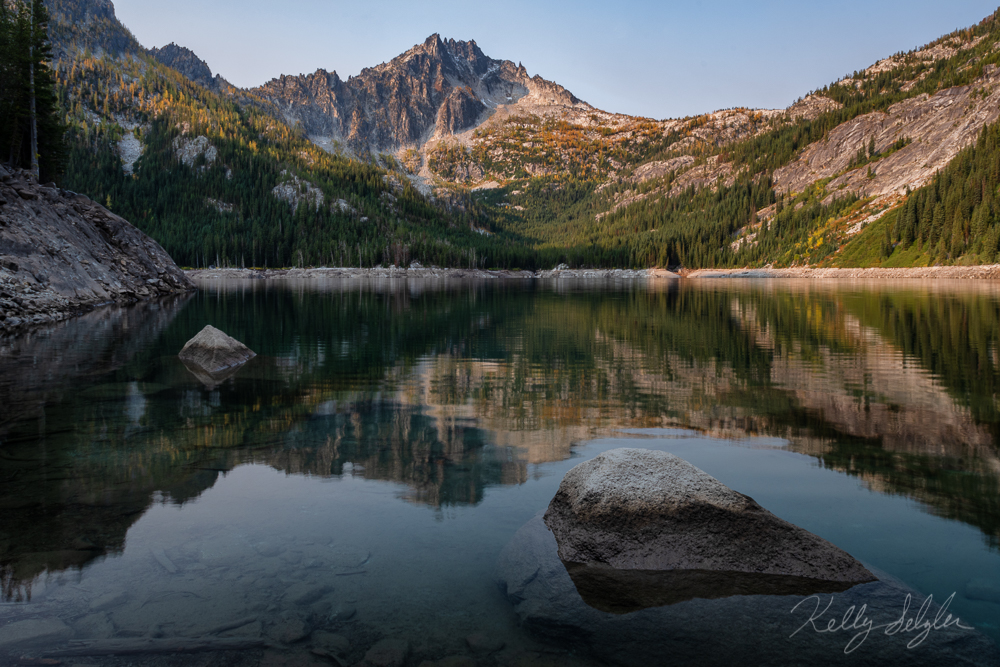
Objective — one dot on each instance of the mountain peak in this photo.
(185, 61)
(437, 88)
(433, 44)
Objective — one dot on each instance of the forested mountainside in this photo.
(216, 178)
(445, 155)
(740, 187)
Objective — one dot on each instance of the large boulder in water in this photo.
(760, 629)
(643, 559)
(214, 352)
(633, 511)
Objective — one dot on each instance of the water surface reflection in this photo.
(448, 390)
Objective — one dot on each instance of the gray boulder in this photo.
(629, 513)
(214, 352)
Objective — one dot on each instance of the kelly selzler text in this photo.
(856, 620)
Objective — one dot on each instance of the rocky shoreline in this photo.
(62, 254)
(419, 272)
(978, 272)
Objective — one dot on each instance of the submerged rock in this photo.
(739, 629)
(289, 630)
(343, 611)
(387, 653)
(214, 352)
(628, 515)
(306, 594)
(986, 590)
(334, 643)
(481, 642)
(36, 631)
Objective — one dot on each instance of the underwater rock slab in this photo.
(215, 352)
(637, 509)
(751, 629)
(36, 631)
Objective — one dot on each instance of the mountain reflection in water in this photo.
(448, 389)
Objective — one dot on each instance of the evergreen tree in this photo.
(28, 91)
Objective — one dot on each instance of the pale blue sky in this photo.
(658, 59)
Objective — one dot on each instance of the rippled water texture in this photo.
(349, 491)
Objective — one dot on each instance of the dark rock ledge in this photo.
(62, 254)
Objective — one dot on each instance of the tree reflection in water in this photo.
(450, 388)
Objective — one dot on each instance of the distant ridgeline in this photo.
(446, 156)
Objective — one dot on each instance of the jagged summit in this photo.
(186, 62)
(437, 88)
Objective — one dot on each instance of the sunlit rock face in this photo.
(437, 88)
(187, 63)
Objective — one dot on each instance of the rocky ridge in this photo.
(61, 253)
(436, 88)
(459, 122)
(78, 26)
(939, 126)
(186, 62)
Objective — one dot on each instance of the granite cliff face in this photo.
(937, 126)
(437, 88)
(61, 253)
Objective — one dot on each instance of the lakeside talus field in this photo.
(447, 156)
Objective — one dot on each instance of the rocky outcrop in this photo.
(80, 25)
(61, 253)
(187, 63)
(460, 110)
(638, 509)
(938, 127)
(295, 191)
(661, 168)
(436, 88)
(812, 107)
(214, 351)
(188, 150)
